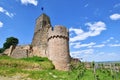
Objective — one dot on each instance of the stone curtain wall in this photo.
(58, 47)
(21, 51)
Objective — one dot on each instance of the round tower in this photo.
(58, 47)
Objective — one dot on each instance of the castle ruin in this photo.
(48, 41)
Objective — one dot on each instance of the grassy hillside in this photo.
(37, 68)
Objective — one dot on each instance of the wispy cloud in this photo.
(79, 45)
(115, 16)
(86, 5)
(114, 45)
(2, 10)
(92, 55)
(104, 56)
(33, 2)
(117, 5)
(82, 53)
(94, 29)
(99, 46)
(108, 40)
(86, 51)
(1, 24)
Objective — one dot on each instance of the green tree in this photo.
(1, 50)
(10, 41)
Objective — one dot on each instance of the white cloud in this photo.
(86, 51)
(9, 14)
(95, 55)
(33, 2)
(114, 45)
(92, 55)
(117, 5)
(115, 16)
(104, 56)
(99, 46)
(79, 45)
(77, 31)
(108, 40)
(2, 10)
(111, 38)
(82, 53)
(87, 45)
(94, 29)
(1, 24)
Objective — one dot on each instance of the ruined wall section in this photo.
(41, 35)
(21, 51)
(58, 47)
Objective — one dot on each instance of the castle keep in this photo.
(41, 31)
(41, 35)
(48, 41)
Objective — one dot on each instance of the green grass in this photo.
(88, 75)
(26, 63)
(43, 69)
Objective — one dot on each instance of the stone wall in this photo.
(21, 51)
(38, 51)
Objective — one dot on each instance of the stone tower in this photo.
(58, 47)
(41, 35)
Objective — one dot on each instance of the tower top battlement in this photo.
(58, 30)
(43, 17)
(41, 31)
(42, 21)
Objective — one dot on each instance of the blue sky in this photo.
(93, 24)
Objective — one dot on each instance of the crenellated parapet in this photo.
(58, 32)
